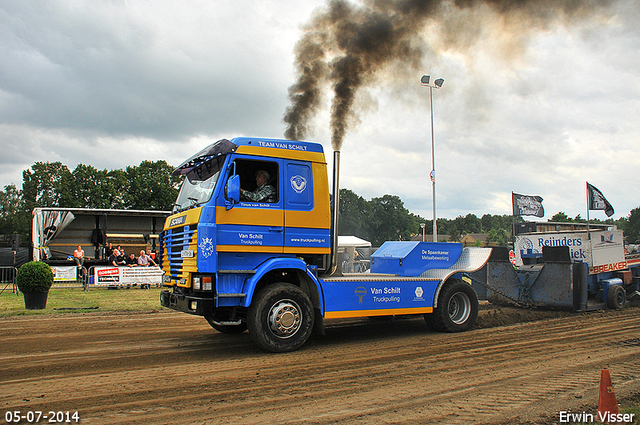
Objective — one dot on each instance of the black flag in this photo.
(597, 201)
(527, 205)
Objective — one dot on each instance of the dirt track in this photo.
(160, 368)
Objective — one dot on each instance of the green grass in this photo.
(635, 410)
(78, 301)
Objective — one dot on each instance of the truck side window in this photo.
(258, 180)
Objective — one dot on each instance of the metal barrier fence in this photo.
(8, 278)
(84, 280)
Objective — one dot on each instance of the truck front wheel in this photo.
(280, 318)
(457, 309)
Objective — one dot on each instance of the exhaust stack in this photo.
(336, 209)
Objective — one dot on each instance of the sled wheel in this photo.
(280, 318)
(616, 297)
(457, 308)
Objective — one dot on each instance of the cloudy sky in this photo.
(536, 106)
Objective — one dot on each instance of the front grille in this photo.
(174, 241)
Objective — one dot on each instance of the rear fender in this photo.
(472, 259)
(441, 284)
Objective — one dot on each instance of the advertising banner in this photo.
(604, 253)
(64, 273)
(110, 276)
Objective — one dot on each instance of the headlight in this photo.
(196, 283)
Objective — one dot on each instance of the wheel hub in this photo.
(459, 308)
(284, 318)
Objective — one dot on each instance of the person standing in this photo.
(116, 260)
(132, 261)
(144, 259)
(108, 250)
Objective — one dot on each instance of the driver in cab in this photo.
(264, 192)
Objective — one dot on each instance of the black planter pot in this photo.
(35, 300)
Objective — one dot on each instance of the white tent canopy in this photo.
(353, 241)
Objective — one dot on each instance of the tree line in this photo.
(386, 219)
(150, 186)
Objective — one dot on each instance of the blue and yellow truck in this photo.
(269, 264)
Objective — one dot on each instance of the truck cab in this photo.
(218, 246)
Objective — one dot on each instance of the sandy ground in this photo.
(172, 368)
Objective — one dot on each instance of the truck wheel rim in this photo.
(284, 318)
(459, 308)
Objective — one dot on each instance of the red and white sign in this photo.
(128, 275)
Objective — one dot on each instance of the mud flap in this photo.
(318, 325)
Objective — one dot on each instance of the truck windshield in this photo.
(195, 192)
(201, 173)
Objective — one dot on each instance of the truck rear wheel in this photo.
(616, 297)
(280, 318)
(457, 309)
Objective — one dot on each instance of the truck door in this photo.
(307, 220)
(255, 224)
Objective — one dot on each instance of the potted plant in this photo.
(34, 280)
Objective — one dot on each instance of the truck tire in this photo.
(616, 297)
(280, 318)
(226, 329)
(457, 308)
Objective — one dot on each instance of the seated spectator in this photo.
(78, 256)
(132, 261)
(145, 260)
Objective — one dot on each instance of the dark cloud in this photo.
(347, 44)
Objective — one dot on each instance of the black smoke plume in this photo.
(346, 45)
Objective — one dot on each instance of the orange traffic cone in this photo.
(607, 404)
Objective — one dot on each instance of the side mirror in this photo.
(232, 191)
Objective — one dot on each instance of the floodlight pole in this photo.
(436, 85)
